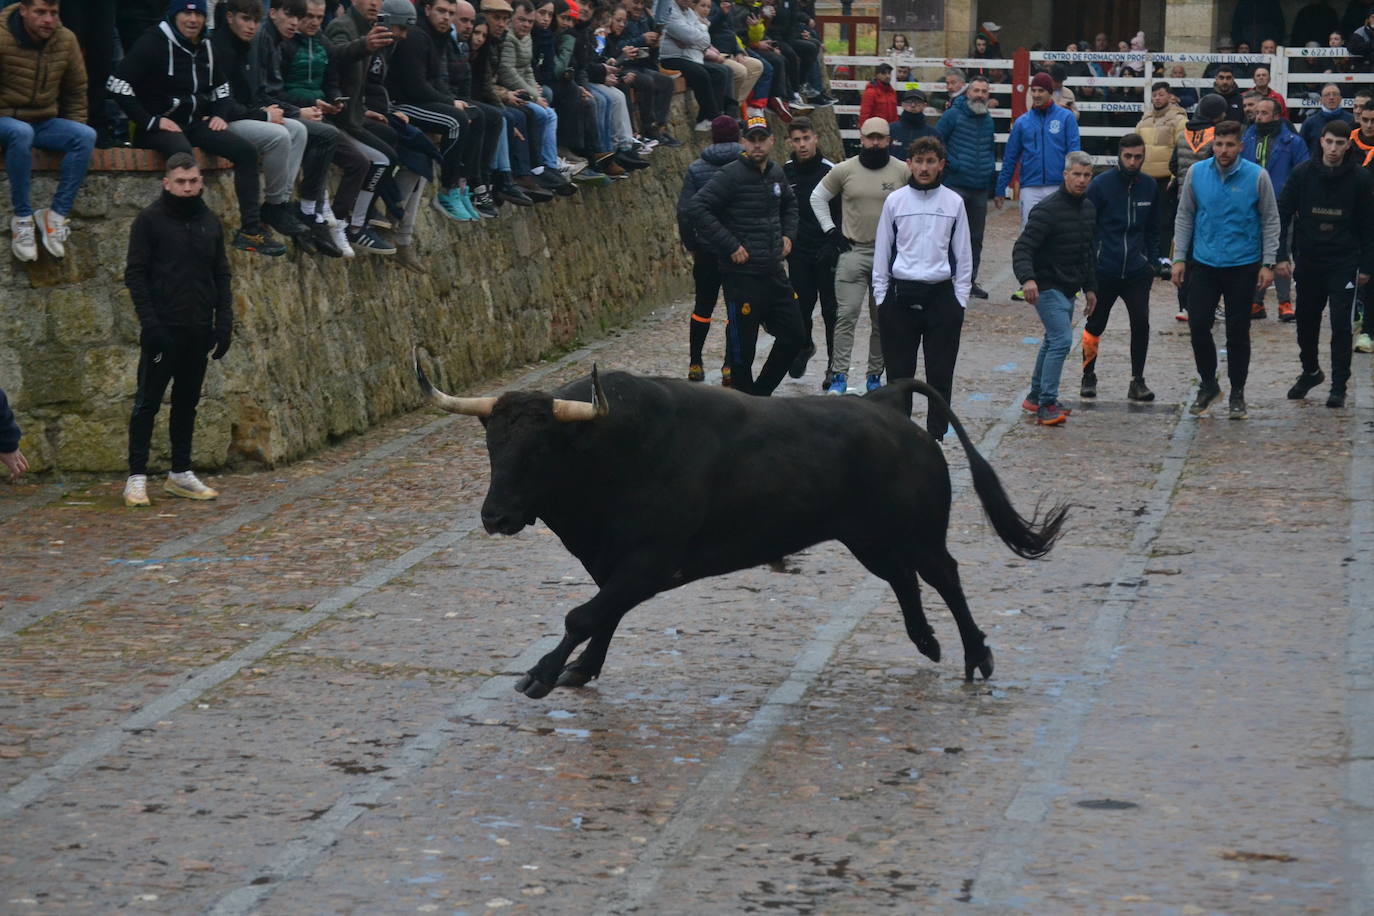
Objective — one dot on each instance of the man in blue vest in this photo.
(1226, 238)
(1039, 141)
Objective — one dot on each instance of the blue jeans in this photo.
(548, 135)
(1056, 314)
(72, 138)
(765, 82)
(519, 150)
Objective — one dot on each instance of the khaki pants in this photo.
(746, 74)
(853, 285)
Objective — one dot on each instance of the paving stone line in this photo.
(44, 494)
(1004, 857)
(110, 580)
(1359, 707)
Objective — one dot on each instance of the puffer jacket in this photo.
(1192, 146)
(1038, 142)
(345, 38)
(714, 158)
(1161, 128)
(308, 75)
(970, 153)
(1056, 248)
(40, 81)
(165, 76)
(10, 434)
(879, 100)
(515, 70)
(746, 206)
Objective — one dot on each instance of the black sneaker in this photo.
(798, 367)
(1237, 410)
(667, 140)
(1089, 387)
(1208, 393)
(258, 239)
(322, 237)
(628, 160)
(1336, 398)
(1139, 391)
(281, 218)
(364, 238)
(1305, 383)
(978, 292)
(483, 203)
(553, 180)
(512, 194)
(827, 380)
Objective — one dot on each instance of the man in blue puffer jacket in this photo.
(724, 149)
(1271, 142)
(1038, 143)
(966, 130)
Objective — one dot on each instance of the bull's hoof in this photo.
(929, 646)
(575, 677)
(532, 687)
(983, 665)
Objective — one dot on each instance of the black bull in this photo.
(659, 482)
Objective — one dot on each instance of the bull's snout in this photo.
(501, 521)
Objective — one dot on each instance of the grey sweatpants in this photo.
(854, 285)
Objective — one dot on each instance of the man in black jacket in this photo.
(747, 215)
(811, 265)
(178, 278)
(169, 88)
(1053, 259)
(1326, 215)
(488, 123)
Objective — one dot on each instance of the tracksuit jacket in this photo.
(1039, 141)
(165, 76)
(970, 153)
(1127, 230)
(923, 236)
(1285, 152)
(804, 176)
(190, 290)
(1327, 217)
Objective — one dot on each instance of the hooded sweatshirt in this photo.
(166, 76)
(714, 158)
(1327, 217)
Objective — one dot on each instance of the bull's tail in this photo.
(1030, 538)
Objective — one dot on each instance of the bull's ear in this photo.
(600, 406)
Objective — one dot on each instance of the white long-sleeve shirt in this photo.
(923, 236)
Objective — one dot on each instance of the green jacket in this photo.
(306, 73)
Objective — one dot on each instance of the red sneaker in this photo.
(1287, 312)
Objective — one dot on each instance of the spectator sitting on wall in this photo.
(43, 104)
(169, 71)
(1361, 43)
(515, 74)
(636, 52)
(686, 47)
(910, 124)
(1224, 46)
(1332, 109)
(879, 98)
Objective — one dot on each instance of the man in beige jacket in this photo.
(1161, 127)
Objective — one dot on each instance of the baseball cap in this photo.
(875, 126)
(883, 68)
(914, 95)
(755, 124)
(991, 26)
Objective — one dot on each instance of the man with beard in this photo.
(1038, 142)
(1273, 144)
(747, 215)
(970, 170)
(923, 277)
(1161, 127)
(811, 265)
(1127, 252)
(1224, 85)
(863, 182)
(1327, 211)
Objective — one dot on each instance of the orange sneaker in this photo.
(1287, 312)
(1257, 312)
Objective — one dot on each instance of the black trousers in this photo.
(1206, 286)
(814, 279)
(807, 51)
(244, 155)
(922, 318)
(1166, 208)
(1135, 292)
(706, 84)
(184, 369)
(93, 21)
(706, 280)
(321, 142)
(449, 124)
(780, 88)
(493, 123)
(754, 300)
(1317, 288)
(653, 93)
(976, 206)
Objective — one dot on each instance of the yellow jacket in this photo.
(1161, 130)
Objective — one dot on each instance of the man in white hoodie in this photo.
(922, 275)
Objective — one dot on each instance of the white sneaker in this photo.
(1363, 344)
(570, 168)
(24, 245)
(136, 491)
(702, 126)
(185, 483)
(338, 233)
(54, 229)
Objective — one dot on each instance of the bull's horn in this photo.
(577, 411)
(472, 407)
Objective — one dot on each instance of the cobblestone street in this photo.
(298, 698)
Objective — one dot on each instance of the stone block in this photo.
(56, 376)
(79, 315)
(99, 441)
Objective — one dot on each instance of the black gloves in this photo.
(157, 340)
(837, 240)
(223, 334)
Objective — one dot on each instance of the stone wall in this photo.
(322, 347)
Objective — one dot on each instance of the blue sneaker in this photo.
(464, 198)
(839, 384)
(874, 382)
(448, 203)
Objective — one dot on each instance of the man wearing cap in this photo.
(724, 149)
(1039, 142)
(970, 170)
(863, 182)
(879, 98)
(910, 124)
(747, 215)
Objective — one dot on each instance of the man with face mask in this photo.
(967, 132)
(911, 124)
(1271, 143)
(1127, 252)
(1327, 216)
(1332, 109)
(923, 276)
(863, 183)
(747, 216)
(1038, 142)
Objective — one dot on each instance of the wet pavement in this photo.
(297, 699)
